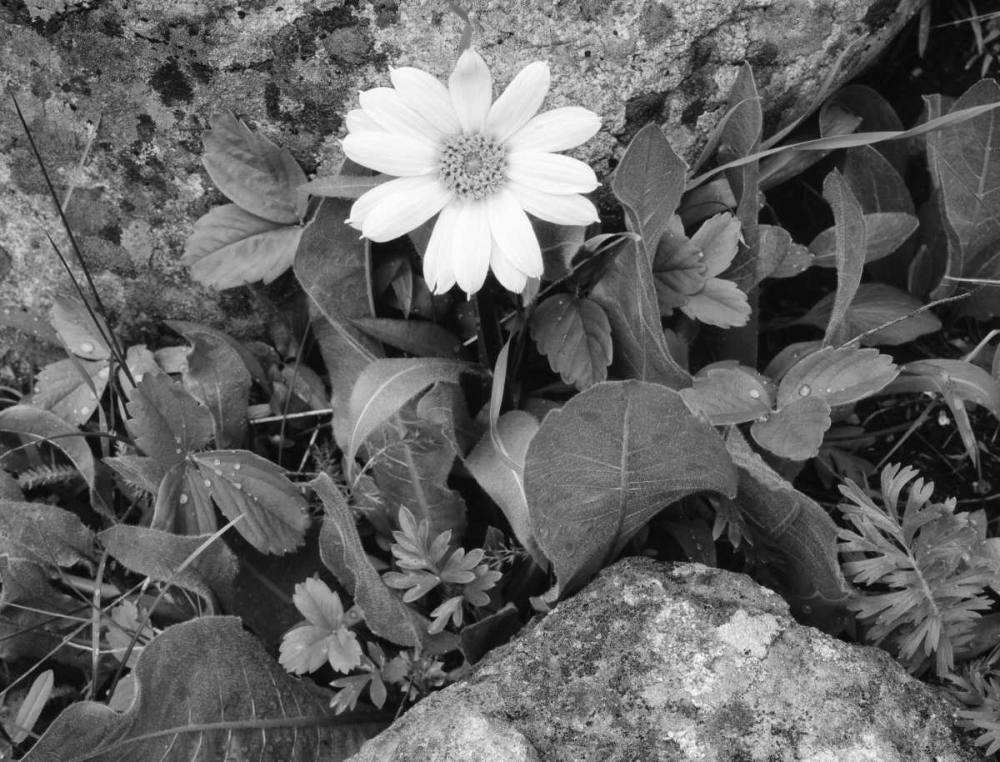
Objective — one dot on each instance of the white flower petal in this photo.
(471, 89)
(413, 201)
(471, 248)
(568, 209)
(387, 109)
(519, 102)
(509, 276)
(550, 173)
(427, 96)
(399, 155)
(438, 270)
(358, 121)
(513, 233)
(368, 200)
(556, 130)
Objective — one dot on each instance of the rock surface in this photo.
(665, 663)
(117, 94)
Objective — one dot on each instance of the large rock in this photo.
(118, 93)
(666, 663)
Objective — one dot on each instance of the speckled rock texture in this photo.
(664, 663)
(118, 92)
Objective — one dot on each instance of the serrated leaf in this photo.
(144, 473)
(71, 389)
(43, 535)
(678, 268)
(183, 504)
(503, 477)
(332, 265)
(796, 430)
(216, 375)
(727, 396)
(167, 423)
(340, 548)
(575, 335)
(244, 484)
(385, 386)
(206, 690)
(612, 458)
(884, 233)
(78, 330)
(230, 247)
(343, 186)
(840, 376)
(649, 181)
(719, 303)
(875, 305)
(252, 171)
(417, 337)
(41, 426)
(802, 534)
(211, 574)
(850, 245)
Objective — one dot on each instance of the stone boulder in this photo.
(664, 663)
(117, 95)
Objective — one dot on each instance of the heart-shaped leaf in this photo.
(575, 335)
(840, 376)
(875, 306)
(230, 247)
(167, 423)
(796, 430)
(727, 396)
(612, 458)
(252, 171)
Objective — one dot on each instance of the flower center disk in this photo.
(472, 166)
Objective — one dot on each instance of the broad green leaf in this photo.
(230, 247)
(874, 307)
(876, 114)
(503, 477)
(343, 186)
(217, 376)
(243, 484)
(778, 256)
(958, 379)
(332, 265)
(628, 297)
(77, 328)
(575, 335)
(885, 232)
(205, 690)
(71, 388)
(183, 503)
(875, 182)
(416, 337)
(340, 548)
(839, 376)
(720, 303)
(31, 322)
(850, 245)
(800, 531)
(211, 574)
(649, 181)
(145, 474)
(186, 327)
(40, 426)
(678, 268)
(612, 458)
(252, 171)
(965, 169)
(385, 386)
(167, 422)
(796, 430)
(727, 396)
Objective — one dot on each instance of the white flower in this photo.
(481, 164)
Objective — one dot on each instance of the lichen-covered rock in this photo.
(117, 94)
(666, 663)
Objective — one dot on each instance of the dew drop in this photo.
(86, 347)
(236, 467)
(763, 418)
(208, 483)
(805, 390)
(755, 393)
(183, 499)
(84, 410)
(103, 373)
(829, 390)
(943, 419)
(218, 472)
(178, 450)
(216, 462)
(178, 440)
(238, 486)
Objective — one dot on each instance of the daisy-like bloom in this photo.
(481, 164)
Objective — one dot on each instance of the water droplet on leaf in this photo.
(236, 467)
(755, 393)
(183, 499)
(208, 483)
(86, 347)
(805, 390)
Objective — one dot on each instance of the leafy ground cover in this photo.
(274, 547)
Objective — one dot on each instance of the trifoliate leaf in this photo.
(78, 330)
(875, 305)
(727, 396)
(230, 247)
(796, 430)
(167, 422)
(325, 638)
(840, 376)
(252, 171)
(575, 335)
(71, 389)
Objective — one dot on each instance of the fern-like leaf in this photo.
(923, 569)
